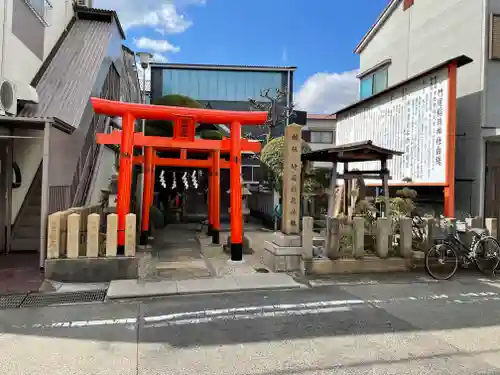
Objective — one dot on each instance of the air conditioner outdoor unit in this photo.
(8, 98)
(84, 3)
(12, 92)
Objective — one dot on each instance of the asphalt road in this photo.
(386, 327)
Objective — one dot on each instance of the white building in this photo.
(55, 55)
(319, 133)
(410, 37)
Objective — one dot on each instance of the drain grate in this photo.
(48, 299)
(12, 301)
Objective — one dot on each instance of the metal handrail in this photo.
(40, 8)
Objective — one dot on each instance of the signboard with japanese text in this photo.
(292, 167)
(412, 119)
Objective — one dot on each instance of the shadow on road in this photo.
(228, 319)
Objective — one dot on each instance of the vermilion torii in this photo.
(185, 120)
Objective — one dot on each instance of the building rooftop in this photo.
(225, 67)
(351, 152)
(386, 13)
(313, 116)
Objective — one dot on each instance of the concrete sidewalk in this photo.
(230, 283)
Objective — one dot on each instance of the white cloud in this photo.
(163, 15)
(153, 45)
(159, 58)
(328, 92)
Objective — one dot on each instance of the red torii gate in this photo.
(185, 120)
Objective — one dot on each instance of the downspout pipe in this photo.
(484, 92)
(4, 37)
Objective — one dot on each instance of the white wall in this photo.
(58, 18)
(21, 64)
(427, 34)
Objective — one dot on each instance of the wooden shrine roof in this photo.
(351, 152)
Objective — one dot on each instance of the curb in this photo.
(197, 293)
(125, 289)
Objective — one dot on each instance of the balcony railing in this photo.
(41, 8)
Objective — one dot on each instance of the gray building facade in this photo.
(225, 87)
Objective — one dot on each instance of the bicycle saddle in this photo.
(478, 231)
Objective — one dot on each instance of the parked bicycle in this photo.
(442, 259)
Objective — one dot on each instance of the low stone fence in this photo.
(82, 246)
(384, 238)
(358, 246)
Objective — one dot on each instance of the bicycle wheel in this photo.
(487, 252)
(441, 261)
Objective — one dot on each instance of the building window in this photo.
(495, 37)
(249, 173)
(41, 8)
(373, 83)
(213, 85)
(325, 137)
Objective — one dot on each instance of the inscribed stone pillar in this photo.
(292, 166)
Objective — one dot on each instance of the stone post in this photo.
(73, 242)
(405, 237)
(358, 240)
(111, 235)
(54, 236)
(130, 235)
(307, 237)
(284, 252)
(491, 225)
(93, 223)
(382, 237)
(430, 230)
(332, 238)
(292, 166)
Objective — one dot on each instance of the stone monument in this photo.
(283, 253)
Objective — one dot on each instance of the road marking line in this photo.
(264, 314)
(250, 309)
(246, 312)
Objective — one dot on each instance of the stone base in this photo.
(236, 268)
(247, 248)
(282, 259)
(92, 270)
(287, 240)
(207, 248)
(365, 265)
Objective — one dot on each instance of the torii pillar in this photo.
(235, 189)
(215, 197)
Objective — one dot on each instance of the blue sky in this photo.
(319, 38)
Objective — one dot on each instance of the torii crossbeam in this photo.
(185, 120)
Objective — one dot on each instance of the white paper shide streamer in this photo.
(174, 181)
(194, 179)
(185, 180)
(163, 183)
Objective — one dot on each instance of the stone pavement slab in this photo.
(135, 289)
